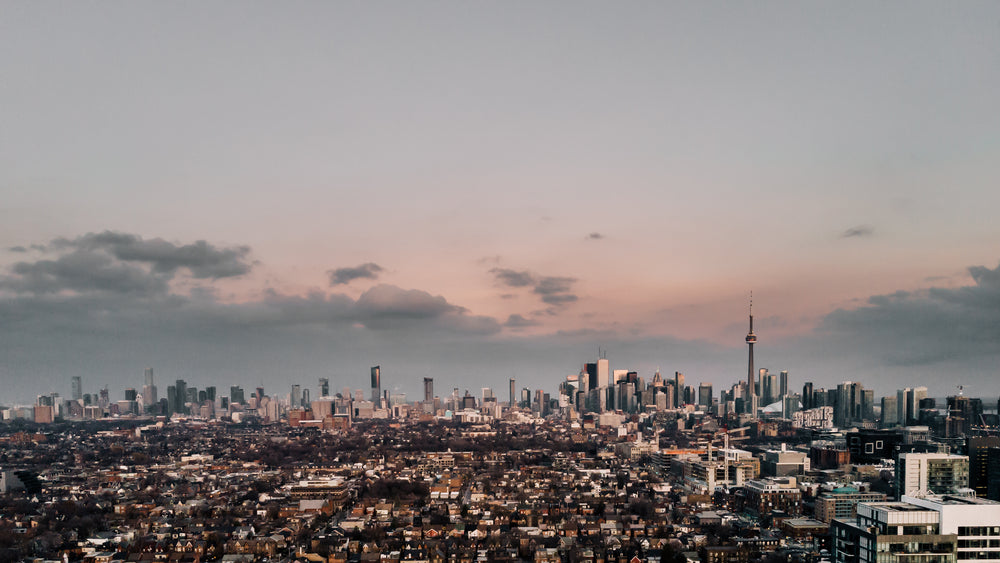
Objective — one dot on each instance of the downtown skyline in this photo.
(484, 193)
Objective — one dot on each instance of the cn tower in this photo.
(751, 340)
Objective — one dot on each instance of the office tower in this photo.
(171, 400)
(180, 396)
(236, 395)
(306, 399)
(867, 412)
(130, 394)
(847, 408)
(979, 464)
(428, 389)
(768, 383)
(965, 412)
(782, 384)
(678, 389)
(488, 394)
(526, 397)
(210, 393)
(376, 384)
(751, 340)
(908, 404)
(790, 405)
(705, 395)
(76, 384)
(512, 392)
(202, 396)
(149, 389)
(890, 417)
(591, 371)
(192, 395)
(259, 392)
(603, 372)
(295, 398)
(324, 387)
(921, 474)
(807, 395)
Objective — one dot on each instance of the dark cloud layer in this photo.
(926, 327)
(341, 276)
(201, 259)
(858, 231)
(552, 290)
(516, 321)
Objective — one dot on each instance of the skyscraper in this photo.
(782, 384)
(376, 384)
(512, 393)
(324, 387)
(751, 340)
(705, 395)
(428, 389)
(603, 372)
(678, 389)
(77, 387)
(295, 398)
(149, 389)
(591, 371)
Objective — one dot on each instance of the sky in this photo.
(244, 192)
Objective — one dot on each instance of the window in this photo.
(879, 445)
(869, 448)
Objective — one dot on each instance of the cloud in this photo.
(858, 231)
(924, 327)
(516, 321)
(513, 278)
(81, 271)
(201, 259)
(595, 236)
(342, 276)
(17, 249)
(553, 290)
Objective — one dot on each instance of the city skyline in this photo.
(484, 193)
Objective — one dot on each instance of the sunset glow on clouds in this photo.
(484, 192)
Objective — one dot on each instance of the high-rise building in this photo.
(891, 532)
(751, 339)
(783, 384)
(679, 389)
(890, 416)
(376, 384)
(705, 395)
(908, 404)
(592, 381)
(979, 463)
(807, 396)
(428, 389)
(76, 383)
(921, 474)
(768, 386)
(210, 393)
(236, 395)
(295, 398)
(180, 396)
(512, 392)
(149, 389)
(324, 387)
(603, 372)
